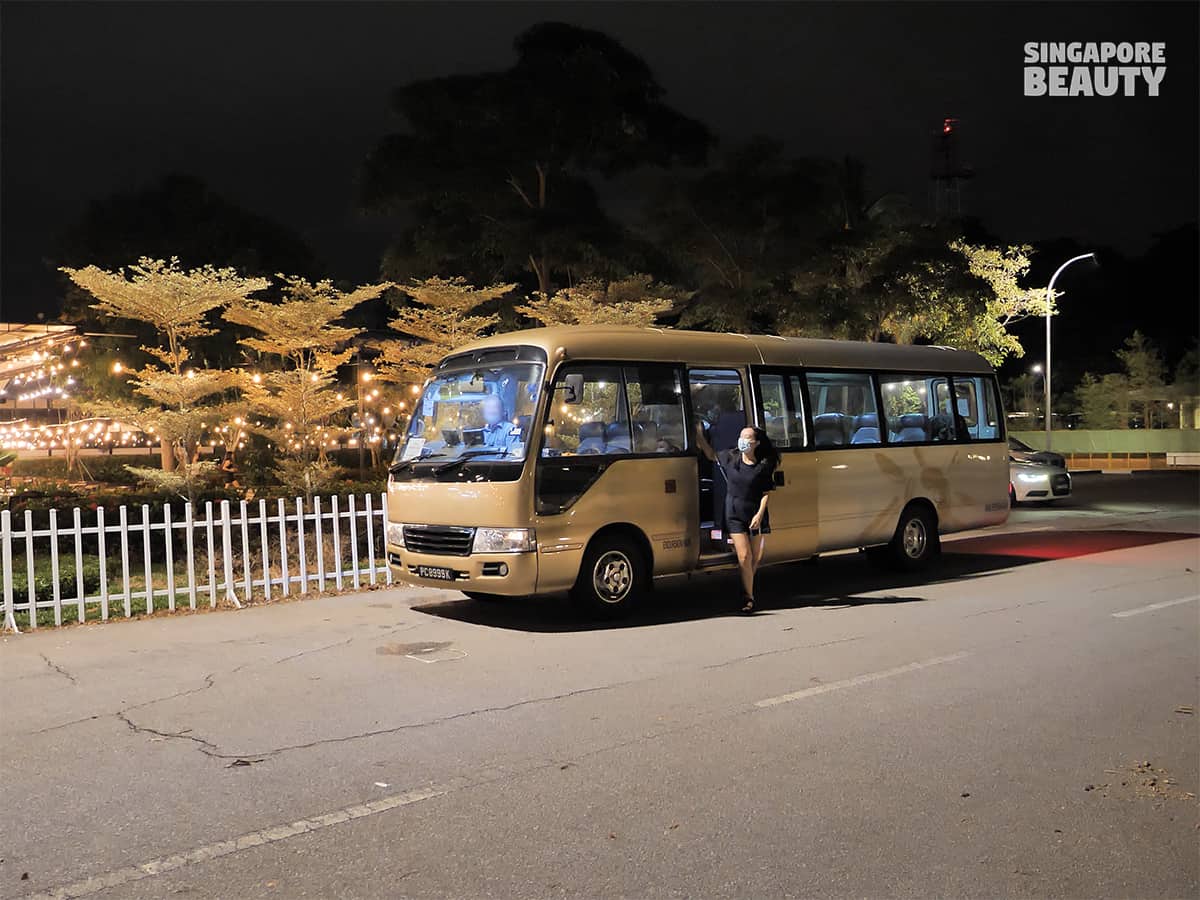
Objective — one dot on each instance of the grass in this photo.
(93, 608)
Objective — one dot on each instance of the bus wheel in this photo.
(611, 578)
(915, 543)
(484, 598)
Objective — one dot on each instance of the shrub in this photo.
(43, 577)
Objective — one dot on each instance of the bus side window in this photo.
(655, 395)
(782, 407)
(978, 407)
(843, 409)
(591, 425)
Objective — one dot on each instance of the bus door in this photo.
(719, 406)
(793, 507)
(615, 452)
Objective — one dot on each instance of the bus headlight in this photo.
(395, 534)
(504, 540)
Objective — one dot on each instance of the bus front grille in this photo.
(439, 540)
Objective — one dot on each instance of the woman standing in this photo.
(749, 474)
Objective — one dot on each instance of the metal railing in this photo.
(232, 554)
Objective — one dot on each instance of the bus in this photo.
(564, 460)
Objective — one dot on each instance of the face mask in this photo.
(744, 445)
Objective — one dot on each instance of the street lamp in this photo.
(1049, 303)
(1035, 372)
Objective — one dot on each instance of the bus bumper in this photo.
(503, 574)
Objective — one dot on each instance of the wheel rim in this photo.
(612, 576)
(914, 539)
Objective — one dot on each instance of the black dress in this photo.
(744, 492)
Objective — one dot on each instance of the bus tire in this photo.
(484, 598)
(915, 543)
(612, 578)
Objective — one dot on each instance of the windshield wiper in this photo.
(469, 455)
(398, 467)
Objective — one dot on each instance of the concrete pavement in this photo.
(1011, 725)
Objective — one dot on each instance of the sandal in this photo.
(747, 606)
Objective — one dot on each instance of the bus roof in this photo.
(623, 342)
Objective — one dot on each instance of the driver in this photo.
(497, 433)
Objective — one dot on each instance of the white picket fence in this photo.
(240, 545)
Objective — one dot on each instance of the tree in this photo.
(446, 314)
(970, 300)
(176, 303)
(1145, 375)
(299, 399)
(734, 232)
(1103, 401)
(848, 284)
(635, 300)
(178, 216)
(494, 166)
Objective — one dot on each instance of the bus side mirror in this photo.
(573, 388)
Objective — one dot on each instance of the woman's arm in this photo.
(756, 522)
(703, 444)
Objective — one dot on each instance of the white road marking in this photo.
(163, 864)
(858, 679)
(1153, 606)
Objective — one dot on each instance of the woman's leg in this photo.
(744, 551)
(758, 544)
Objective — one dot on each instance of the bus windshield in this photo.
(482, 412)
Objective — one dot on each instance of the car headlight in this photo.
(1030, 477)
(504, 540)
(395, 534)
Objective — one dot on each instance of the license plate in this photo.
(435, 572)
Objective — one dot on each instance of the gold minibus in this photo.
(564, 459)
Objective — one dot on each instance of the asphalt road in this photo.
(1021, 722)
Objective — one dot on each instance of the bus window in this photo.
(977, 407)
(472, 411)
(783, 419)
(719, 405)
(595, 422)
(843, 408)
(916, 409)
(656, 409)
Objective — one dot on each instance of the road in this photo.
(1021, 722)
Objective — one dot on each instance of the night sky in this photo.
(275, 106)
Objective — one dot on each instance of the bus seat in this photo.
(866, 429)
(829, 430)
(912, 428)
(670, 427)
(942, 428)
(616, 438)
(591, 437)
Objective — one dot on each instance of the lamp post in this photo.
(1049, 304)
(1035, 372)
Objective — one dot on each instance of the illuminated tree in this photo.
(445, 315)
(297, 401)
(177, 399)
(635, 300)
(967, 300)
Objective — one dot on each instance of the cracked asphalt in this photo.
(994, 729)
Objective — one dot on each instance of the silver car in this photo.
(1022, 452)
(1028, 480)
